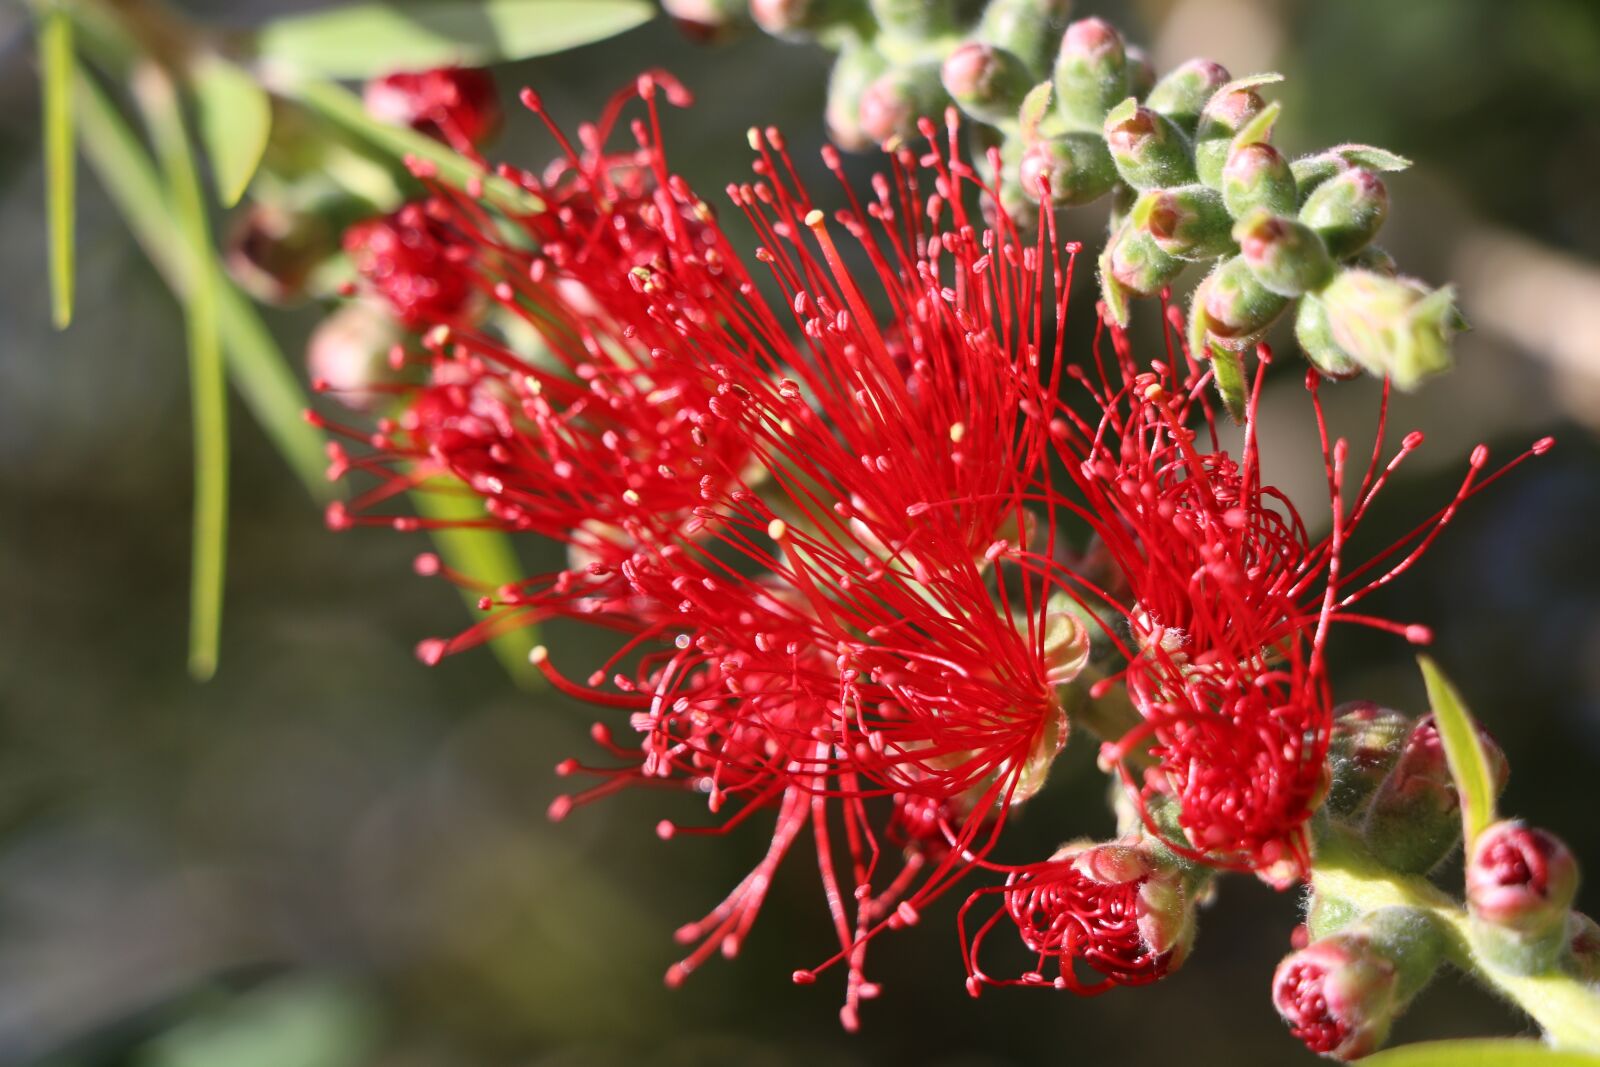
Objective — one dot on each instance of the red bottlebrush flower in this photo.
(456, 105)
(1228, 601)
(1337, 995)
(1112, 908)
(415, 263)
(1521, 879)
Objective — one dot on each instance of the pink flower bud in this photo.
(1224, 115)
(1286, 256)
(1257, 176)
(349, 355)
(989, 83)
(1521, 878)
(708, 20)
(1415, 817)
(456, 105)
(1148, 148)
(1091, 73)
(1028, 29)
(892, 104)
(1074, 168)
(1347, 211)
(1337, 995)
(1182, 93)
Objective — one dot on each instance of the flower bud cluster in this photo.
(1078, 113)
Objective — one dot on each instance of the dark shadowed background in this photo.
(331, 856)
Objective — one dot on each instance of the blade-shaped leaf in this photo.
(360, 40)
(1491, 1052)
(486, 557)
(343, 108)
(1469, 765)
(257, 366)
(235, 121)
(158, 99)
(55, 74)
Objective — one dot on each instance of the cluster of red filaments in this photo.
(832, 543)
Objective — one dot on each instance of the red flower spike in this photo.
(415, 263)
(456, 105)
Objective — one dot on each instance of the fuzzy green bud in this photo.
(1238, 308)
(1141, 72)
(1148, 148)
(1347, 210)
(1187, 221)
(914, 18)
(804, 20)
(1132, 264)
(858, 66)
(1286, 256)
(1182, 93)
(1256, 177)
(713, 21)
(1520, 886)
(1228, 111)
(1414, 820)
(1311, 171)
(1028, 29)
(891, 105)
(1583, 947)
(1394, 327)
(1074, 167)
(1315, 334)
(1362, 749)
(1091, 73)
(988, 82)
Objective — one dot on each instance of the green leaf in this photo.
(315, 1023)
(55, 73)
(235, 121)
(360, 40)
(1490, 1052)
(257, 366)
(1227, 367)
(207, 386)
(1469, 766)
(344, 108)
(485, 556)
(1035, 106)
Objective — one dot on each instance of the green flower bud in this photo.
(857, 67)
(1257, 177)
(1182, 93)
(897, 98)
(1141, 71)
(1315, 334)
(1148, 148)
(914, 18)
(1347, 210)
(712, 21)
(1378, 260)
(1123, 197)
(1311, 171)
(1028, 29)
(1363, 748)
(1076, 166)
(1187, 221)
(1414, 820)
(1583, 947)
(989, 83)
(1132, 264)
(1238, 307)
(1393, 327)
(1521, 883)
(804, 20)
(1091, 73)
(1286, 256)
(1228, 111)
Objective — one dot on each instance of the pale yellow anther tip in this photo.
(814, 218)
(538, 654)
(777, 529)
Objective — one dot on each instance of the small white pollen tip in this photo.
(538, 654)
(777, 529)
(814, 218)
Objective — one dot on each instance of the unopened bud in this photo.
(1091, 73)
(1363, 747)
(914, 18)
(1066, 647)
(1182, 93)
(1583, 947)
(896, 99)
(1311, 171)
(1133, 265)
(1341, 994)
(804, 19)
(1347, 211)
(272, 250)
(1375, 259)
(1315, 334)
(1187, 221)
(1164, 909)
(1394, 327)
(1148, 148)
(349, 355)
(1415, 817)
(1286, 256)
(1074, 168)
(1141, 71)
(1225, 114)
(1257, 177)
(988, 82)
(857, 67)
(1238, 307)
(711, 21)
(1521, 880)
(457, 105)
(1029, 29)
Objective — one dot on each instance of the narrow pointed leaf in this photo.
(207, 385)
(1491, 1052)
(359, 40)
(257, 366)
(235, 122)
(1469, 766)
(60, 179)
(485, 556)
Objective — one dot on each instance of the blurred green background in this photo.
(331, 856)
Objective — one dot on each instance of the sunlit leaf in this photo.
(55, 73)
(304, 1024)
(207, 386)
(360, 40)
(1469, 765)
(235, 121)
(1493, 1052)
(257, 366)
